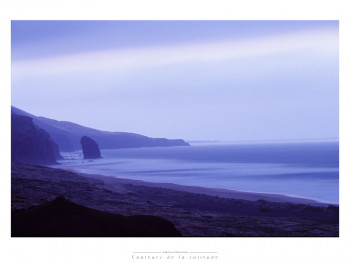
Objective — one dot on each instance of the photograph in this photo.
(175, 128)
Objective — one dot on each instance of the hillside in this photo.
(67, 135)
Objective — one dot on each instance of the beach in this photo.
(307, 170)
(194, 211)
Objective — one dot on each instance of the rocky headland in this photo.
(67, 135)
(30, 144)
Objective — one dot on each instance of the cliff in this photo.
(30, 144)
(90, 148)
(67, 135)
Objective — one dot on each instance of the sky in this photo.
(195, 80)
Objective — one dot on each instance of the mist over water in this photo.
(308, 169)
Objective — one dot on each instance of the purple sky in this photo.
(225, 80)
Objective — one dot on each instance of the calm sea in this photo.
(308, 169)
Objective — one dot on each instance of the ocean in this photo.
(307, 169)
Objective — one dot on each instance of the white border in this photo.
(119, 249)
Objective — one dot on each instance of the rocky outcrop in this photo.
(90, 148)
(62, 218)
(30, 144)
(67, 135)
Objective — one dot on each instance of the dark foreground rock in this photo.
(30, 144)
(62, 218)
(90, 148)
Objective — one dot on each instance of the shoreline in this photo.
(218, 192)
(194, 211)
(319, 186)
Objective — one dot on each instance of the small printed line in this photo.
(148, 252)
(203, 252)
(176, 252)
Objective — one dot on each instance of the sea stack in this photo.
(90, 148)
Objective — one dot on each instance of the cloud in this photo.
(324, 40)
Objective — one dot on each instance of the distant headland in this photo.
(67, 135)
